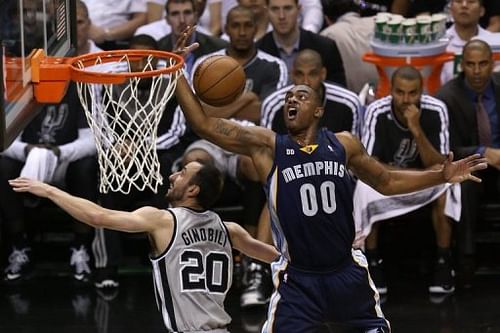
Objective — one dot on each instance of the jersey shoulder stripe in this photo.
(283, 70)
(372, 114)
(272, 104)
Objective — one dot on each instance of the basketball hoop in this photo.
(123, 93)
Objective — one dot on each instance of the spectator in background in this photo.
(287, 39)
(264, 72)
(155, 10)
(181, 14)
(372, 7)
(215, 16)
(160, 28)
(311, 17)
(409, 130)
(412, 8)
(58, 147)
(473, 105)
(491, 18)
(261, 18)
(115, 21)
(466, 15)
(352, 34)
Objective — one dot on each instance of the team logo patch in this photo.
(309, 149)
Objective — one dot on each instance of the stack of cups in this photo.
(395, 29)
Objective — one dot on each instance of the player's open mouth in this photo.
(292, 112)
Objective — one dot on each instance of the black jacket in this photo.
(464, 137)
(326, 47)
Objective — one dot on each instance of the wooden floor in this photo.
(49, 303)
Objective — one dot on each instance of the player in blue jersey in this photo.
(319, 278)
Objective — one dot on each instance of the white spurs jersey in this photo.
(192, 276)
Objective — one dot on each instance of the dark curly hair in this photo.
(210, 181)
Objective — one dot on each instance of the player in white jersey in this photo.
(191, 246)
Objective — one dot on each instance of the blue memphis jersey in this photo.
(310, 198)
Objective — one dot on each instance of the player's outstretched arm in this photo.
(146, 219)
(254, 141)
(396, 181)
(222, 132)
(250, 246)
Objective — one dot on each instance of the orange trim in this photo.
(433, 81)
(51, 75)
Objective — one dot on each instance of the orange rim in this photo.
(50, 75)
(87, 60)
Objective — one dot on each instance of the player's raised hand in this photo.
(22, 184)
(461, 170)
(181, 47)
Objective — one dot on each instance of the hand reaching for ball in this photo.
(181, 47)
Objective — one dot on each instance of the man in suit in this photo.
(473, 101)
(287, 39)
(181, 14)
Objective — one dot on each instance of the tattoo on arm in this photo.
(229, 130)
(223, 128)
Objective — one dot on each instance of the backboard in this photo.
(26, 25)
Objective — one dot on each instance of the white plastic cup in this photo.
(424, 29)
(409, 31)
(394, 28)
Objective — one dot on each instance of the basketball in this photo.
(219, 80)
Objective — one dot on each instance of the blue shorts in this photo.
(303, 302)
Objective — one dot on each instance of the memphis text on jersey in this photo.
(310, 169)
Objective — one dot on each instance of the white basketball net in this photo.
(124, 119)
